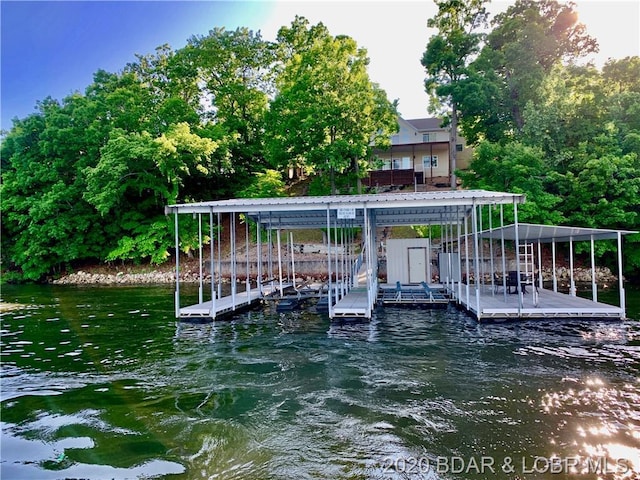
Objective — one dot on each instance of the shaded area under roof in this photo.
(528, 232)
(407, 208)
(431, 123)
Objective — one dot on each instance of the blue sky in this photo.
(53, 48)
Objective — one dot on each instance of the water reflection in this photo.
(110, 386)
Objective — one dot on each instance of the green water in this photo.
(102, 383)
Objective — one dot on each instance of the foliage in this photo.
(87, 178)
(447, 57)
(527, 41)
(267, 184)
(327, 114)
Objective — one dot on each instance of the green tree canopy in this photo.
(327, 114)
(446, 60)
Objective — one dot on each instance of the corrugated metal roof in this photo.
(528, 232)
(408, 208)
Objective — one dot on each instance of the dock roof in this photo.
(406, 208)
(549, 233)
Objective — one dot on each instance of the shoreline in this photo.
(306, 270)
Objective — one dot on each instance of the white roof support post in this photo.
(246, 234)
(493, 268)
(339, 291)
(232, 240)
(623, 305)
(330, 284)
(219, 255)
(293, 261)
(572, 284)
(270, 256)
(540, 283)
(200, 279)
(504, 258)
(459, 257)
(177, 290)
(279, 261)
(517, 241)
(476, 258)
(211, 258)
(553, 266)
(479, 247)
(466, 256)
(259, 255)
(594, 286)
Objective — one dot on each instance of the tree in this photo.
(517, 168)
(235, 70)
(447, 57)
(327, 114)
(527, 41)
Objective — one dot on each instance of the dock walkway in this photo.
(354, 304)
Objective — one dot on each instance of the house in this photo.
(419, 154)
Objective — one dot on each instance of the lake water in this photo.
(103, 383)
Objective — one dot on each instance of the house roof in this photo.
(423, 124)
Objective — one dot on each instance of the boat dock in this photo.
(460, 250)
(548, 304)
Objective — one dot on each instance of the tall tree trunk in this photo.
(332, 178)
(356, 169)
(453, 140)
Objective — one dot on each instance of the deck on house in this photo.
(549, 305)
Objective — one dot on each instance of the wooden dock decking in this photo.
(550, 305)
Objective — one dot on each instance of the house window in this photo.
(426, 137)
(429, 161)
(386, 165)
(458, 147)
(402, 163)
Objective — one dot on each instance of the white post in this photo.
(493, 268)
(339, 291)
(459, 254)
(572, 285)
(466, 257)
(177, 291)
(476, 258)
(232, 239)
(247, 280)
(279, 261)
(259, 255)
(517, 240)
(212, 312)
(594, 286)
(293, 260)
(553, 266)
(504, 259)
(330, 284)
(200, 286)
(540, 283)
(219, 255)
(623, 305)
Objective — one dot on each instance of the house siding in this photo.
(409, 146)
